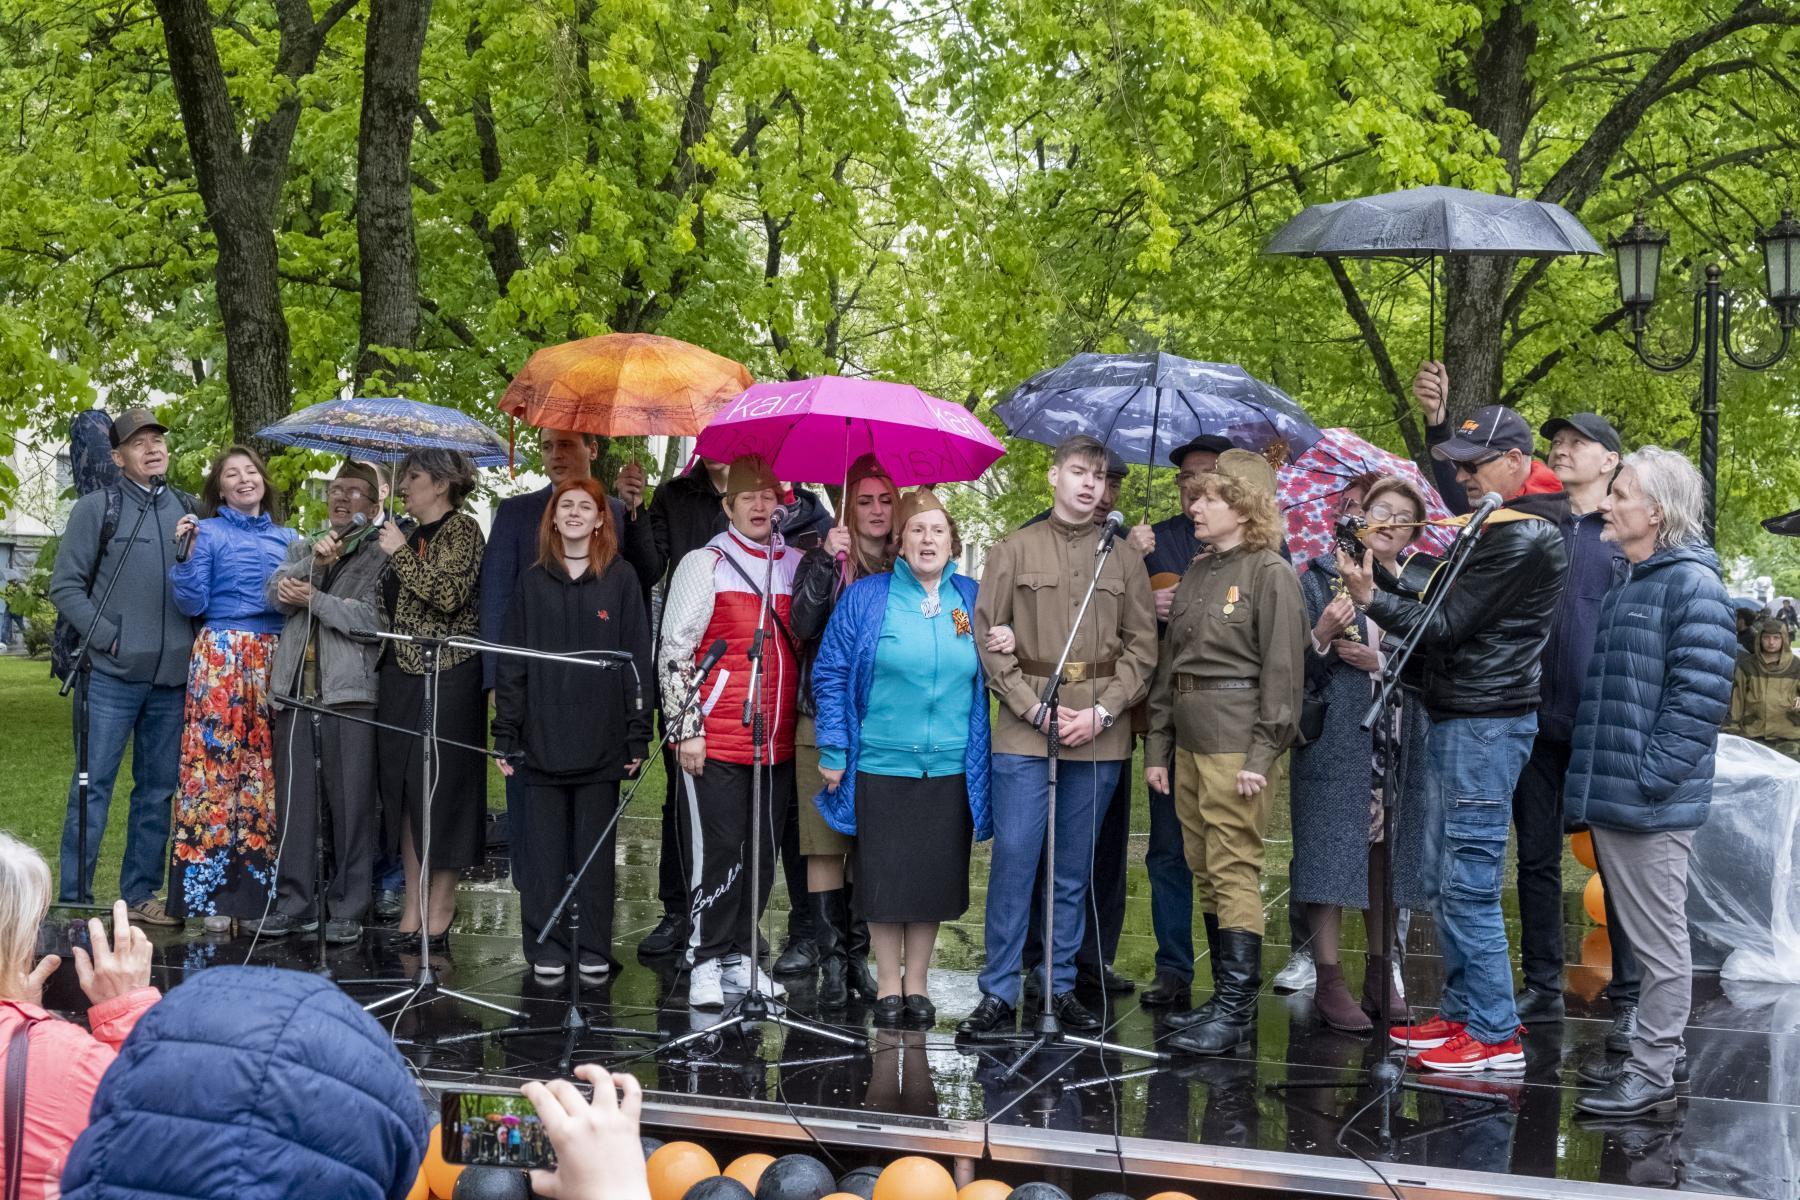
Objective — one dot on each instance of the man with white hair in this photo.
(1658, 687)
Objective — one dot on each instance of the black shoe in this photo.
(1601, 1070)
(1538, 1007)
(1237, 979)
(1071, 1013)
(341, 931)
(275, 925)
(1190, 1017)
(798, 957)
(389, 906)
(1630, 1095)
(830, 924)
(1115, 983)
(1624, 1028)
(888, 1012)
(992, 1015)
(670, 935)
(921, 1013)
(856, 951)
(1167, 992)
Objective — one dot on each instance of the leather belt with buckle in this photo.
(1194, 683)
(1075, 672)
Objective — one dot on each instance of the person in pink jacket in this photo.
(64, 1062)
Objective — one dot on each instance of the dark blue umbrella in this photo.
(1143, 405)
(386, 430)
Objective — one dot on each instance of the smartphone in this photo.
(494, 1129)
(58, 938)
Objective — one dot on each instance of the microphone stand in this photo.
(753, 1005)
(1049, 1033)
(79, 670)
(426, 984)
(1388, 1073)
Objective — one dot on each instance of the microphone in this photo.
(158, 483)
(714, 653)
(184, 543)
(1115, 524)
(357, 521)
(781, 516)
(1489, 503)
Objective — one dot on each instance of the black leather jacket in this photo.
(1481, 653)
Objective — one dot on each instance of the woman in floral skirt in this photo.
(225, 838)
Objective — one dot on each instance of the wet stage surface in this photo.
(1737, 1132)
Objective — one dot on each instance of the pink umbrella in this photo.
(1310, 488)
(811, 430)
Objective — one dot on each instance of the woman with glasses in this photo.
(1337, 793)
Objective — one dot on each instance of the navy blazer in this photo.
(512, 546)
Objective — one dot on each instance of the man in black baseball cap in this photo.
(132, 422)
(1590, 427)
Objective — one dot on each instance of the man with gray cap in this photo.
(1479, 655)
(136, 677)
(1584, 456)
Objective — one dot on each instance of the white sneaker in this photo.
(705, 988)
(1299, 975)
(1399, 983)
(737, 978)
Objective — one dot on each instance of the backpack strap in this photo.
(780, 625)
(18, 1053)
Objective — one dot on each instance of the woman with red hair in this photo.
(558, 723)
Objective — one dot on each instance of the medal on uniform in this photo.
(1231, 599)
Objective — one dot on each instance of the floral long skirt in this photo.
(225, 838)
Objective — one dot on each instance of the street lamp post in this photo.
(1639, 252)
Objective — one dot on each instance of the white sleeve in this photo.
(687, 610)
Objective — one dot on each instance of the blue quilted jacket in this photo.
(1657, 688)
(250, 1083)
(842, 675)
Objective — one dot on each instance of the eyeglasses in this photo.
(1386, 512)
(341, 492)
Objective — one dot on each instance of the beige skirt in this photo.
(816, 837)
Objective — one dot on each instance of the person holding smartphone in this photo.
(559, 723)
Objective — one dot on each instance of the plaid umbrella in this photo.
(1309, 491)
(386, 430)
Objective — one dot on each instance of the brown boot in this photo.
(1378, 971)
(1332, 1001)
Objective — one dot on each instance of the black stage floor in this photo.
(1214, 1122)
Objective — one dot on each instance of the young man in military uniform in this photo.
(1034, 583)
(1765, 695)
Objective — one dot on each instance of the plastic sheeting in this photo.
(1742, 898)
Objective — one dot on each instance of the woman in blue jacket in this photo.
(903, 749)
(1641, 771)
(225, 842)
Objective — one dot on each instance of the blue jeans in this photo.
(1016, 791)
(1475, 764)
(150, 716)
(1171, 890)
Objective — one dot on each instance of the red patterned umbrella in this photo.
(1309, 490)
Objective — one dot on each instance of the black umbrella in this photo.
(1420, 224)
(1787, 524)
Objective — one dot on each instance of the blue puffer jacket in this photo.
(1657, 689)
(843, 673)
(250, 1083)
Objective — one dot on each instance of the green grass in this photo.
(37, 756)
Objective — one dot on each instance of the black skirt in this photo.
(459, 803)
(912, 848)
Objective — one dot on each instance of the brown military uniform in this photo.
(1764, 695)
(1033, 581)
(1226, 698)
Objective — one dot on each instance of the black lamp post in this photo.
(1639, 250)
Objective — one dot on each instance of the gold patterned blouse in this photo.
(430, 589)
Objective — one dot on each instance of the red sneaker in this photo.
(1429, 1036)
(1464, 1054)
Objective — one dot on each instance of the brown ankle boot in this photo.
(1333, 1002)
(1379, 972)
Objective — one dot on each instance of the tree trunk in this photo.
(385, 240)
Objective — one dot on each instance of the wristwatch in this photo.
(1106, 718)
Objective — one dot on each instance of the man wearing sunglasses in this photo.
(1481, 656)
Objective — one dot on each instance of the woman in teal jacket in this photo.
(903, 749)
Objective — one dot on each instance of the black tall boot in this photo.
(856, 951)
(831, 915)
(1204, 1013)
(1237, 977)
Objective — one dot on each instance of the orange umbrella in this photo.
(623, 385)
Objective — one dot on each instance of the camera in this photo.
(1348, 535)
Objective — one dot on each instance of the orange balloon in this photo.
(677, 1166)
(1171, 1196)
(1581, 845)
(747, 1169)
(915, 1178)
(420, 1190)
(1593, 898)
(984, 1189)
(843, 1196)
(440, 1176)
(1589, 975)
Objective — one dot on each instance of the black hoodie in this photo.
(567, 719)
